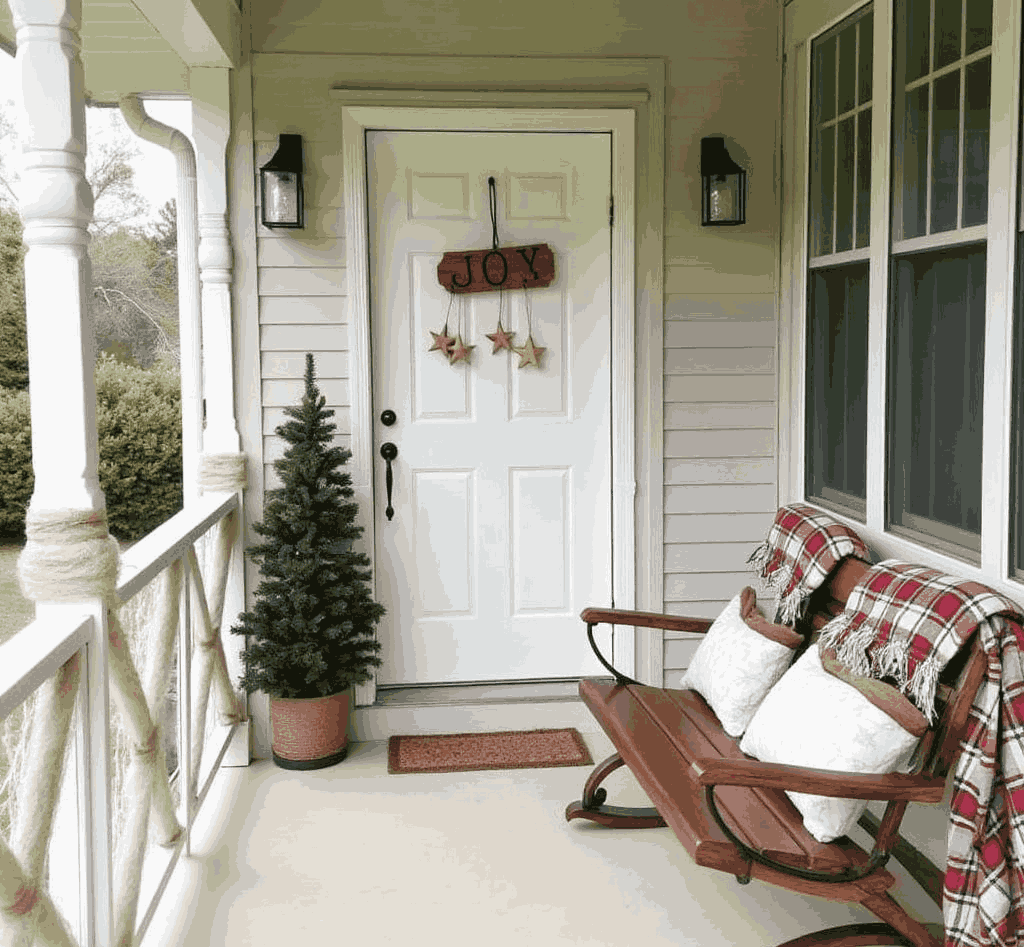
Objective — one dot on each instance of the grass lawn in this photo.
(15, 611)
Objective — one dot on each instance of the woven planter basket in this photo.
(309, 733)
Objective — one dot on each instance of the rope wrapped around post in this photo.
(222, 473)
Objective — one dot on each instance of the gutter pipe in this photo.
(189, 326)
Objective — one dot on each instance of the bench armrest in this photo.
(617, 616)
(821, 782)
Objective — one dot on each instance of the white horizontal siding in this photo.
(705, 557)
(721, 470)
(303, 310)
(302, 281)
(300, 251)
(720, 419)
(304, 338)
(293, 365)
(683, 417)
(285, 392)
(730, 442)
(733, 388)
(705, 586)
(719, 498)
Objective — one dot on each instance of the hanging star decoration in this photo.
(443, 342)
(529, 353)
(460, 352)
(501, 339)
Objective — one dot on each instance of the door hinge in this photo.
(611, 211)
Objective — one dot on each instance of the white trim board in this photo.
(636, 307)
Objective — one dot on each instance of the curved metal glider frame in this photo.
(592, 806)
(620, 678)
(877, 859)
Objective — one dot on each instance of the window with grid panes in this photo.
(903, 295)
(941, 102)
(837, 286)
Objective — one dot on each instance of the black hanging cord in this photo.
(493, 194)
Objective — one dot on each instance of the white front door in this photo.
(501, 530)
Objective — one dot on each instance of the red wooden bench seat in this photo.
(673, 744)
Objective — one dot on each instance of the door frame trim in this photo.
(637, 303)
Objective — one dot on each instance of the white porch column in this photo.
(211, 128)
(69, 563)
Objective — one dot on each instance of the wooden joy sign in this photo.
(484, 271)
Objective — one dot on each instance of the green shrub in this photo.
(138, 416)
(16, 479)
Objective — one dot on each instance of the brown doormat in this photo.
(460, 752)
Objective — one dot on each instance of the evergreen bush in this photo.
(311, 632)
(138, 417)
(16, 478)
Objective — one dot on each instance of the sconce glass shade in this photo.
(281, 185)
(723, 186)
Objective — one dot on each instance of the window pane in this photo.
(936, 368)
(945, 152)
(979, 25)
(822, 176)
(847, 68)
(845, 186)
(917, 24)
(863, 178)
(914, 154)
(837, 353)
(824, 81)
(948, 19)
(864, 65)
(976, 119)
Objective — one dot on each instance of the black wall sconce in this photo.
(723, 186)
(281, 185)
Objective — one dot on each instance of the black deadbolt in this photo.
(388, 417)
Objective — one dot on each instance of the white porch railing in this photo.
(162, 605)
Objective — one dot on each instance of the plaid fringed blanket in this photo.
(905, 623)
(803, 546)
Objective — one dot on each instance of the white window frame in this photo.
(804, 20)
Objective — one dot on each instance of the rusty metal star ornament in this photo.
(460, 352)
(443, 342)
(529, 353)
(501, 339)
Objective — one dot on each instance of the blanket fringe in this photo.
(791, 606)
(849, 643)
(922, 686)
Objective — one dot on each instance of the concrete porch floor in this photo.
(351, 854)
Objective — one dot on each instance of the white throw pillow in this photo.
(814, 718)
(741, 657)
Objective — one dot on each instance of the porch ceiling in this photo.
(148, 45)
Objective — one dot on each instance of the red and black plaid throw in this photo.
(906, 622)
(983, 900)
(803, 546)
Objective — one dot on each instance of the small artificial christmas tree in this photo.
(311, 632)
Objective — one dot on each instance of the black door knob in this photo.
(388, 417)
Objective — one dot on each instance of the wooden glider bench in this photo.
(730, 811)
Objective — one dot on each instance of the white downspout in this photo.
(189, 329)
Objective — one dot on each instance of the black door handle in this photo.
(389, 452)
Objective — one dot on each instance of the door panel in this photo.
(502, 484)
